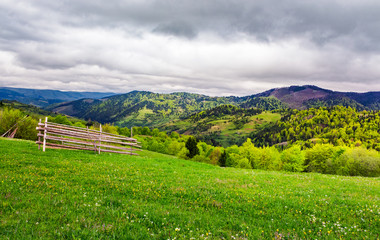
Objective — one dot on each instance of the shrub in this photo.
(317, 157)
(359, 162)
(108, 128)
(293, 159)
(200, 158)
(244, 163)
(60, 119)
(26, 127)
(215, 156)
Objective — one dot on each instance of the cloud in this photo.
(211, 47)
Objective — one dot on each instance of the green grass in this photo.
(80, 195)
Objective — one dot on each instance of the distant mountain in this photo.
(43, 98)
(303, 97)
(140, 108)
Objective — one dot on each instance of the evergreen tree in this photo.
(223, 159)
(191, 145)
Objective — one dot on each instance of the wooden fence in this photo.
(63, 136)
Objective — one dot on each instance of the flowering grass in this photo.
(81, 195)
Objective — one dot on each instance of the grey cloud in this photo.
(180, 29)
(323, 21)
(336, 41)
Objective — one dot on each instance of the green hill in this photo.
(140, 108)
(80, 195)
(224, 125)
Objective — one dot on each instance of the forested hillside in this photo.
(337, 125)
(139, 108)
(224, 125)
(142, 108)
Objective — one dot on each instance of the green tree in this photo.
(191, 145)
(293, 159)
(223, 159)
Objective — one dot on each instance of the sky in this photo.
(212, 47)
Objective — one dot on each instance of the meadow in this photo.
(80, 195)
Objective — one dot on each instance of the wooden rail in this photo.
(63, 136)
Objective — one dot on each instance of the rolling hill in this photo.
(224, 125)
(141, 108)
(43, 98)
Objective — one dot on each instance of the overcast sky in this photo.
(214, 47)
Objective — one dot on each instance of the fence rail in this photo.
(63, 136)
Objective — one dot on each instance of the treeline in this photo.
(320, 158)
(339, 126)
(328, 158)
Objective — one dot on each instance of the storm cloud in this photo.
(212, 47)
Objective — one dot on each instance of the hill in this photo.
(43, 98)
(72, 194)
(224, 125)
(141, 108)
(152, 109)
(302, 97)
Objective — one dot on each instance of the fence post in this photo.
(100, 137)
(45, 131)
(39, 137)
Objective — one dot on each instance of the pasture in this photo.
(81, 195)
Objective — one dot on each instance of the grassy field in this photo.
(80, 195)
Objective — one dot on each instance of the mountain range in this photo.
(142, 108)
(44, 98)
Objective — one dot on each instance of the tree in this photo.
(223, 159)
(191, 145)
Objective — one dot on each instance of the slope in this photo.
(81, 195)
(224, 125)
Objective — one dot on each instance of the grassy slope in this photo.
(71, 194)
(224, 126)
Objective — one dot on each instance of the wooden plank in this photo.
(65, 146)
(100, 138)
(39, 138)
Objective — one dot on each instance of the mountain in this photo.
(43, 98)
(141, 108)
(308, 96)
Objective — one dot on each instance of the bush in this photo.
(293, 159)
(215, 156)
(60, 119)
(244, 163)
(316, 158)
(200, 158)
(267, 158)
(108, 128)
(358, 162)
(26, 127)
